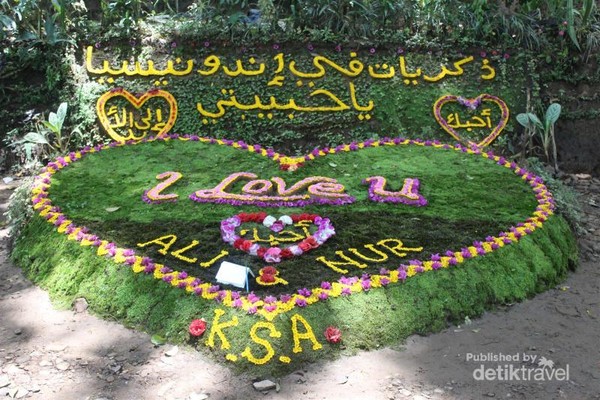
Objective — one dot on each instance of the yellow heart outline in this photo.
(437, 112)
(137, 102)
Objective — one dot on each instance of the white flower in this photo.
(286, 219)
(269, 220)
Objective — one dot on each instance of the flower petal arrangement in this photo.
(440, 222)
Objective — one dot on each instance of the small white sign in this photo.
(233, 274)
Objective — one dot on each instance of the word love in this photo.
(276, 193)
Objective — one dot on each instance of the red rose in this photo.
(197, 327)
(333, 334)
(239, 243)
(246, 245)
(267, 278)
(244, 217)
(269, 270)
(304, 246)
(259, 217)
(261, 252)
(286, 253)
(311, 242)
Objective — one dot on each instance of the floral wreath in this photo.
(274, 254)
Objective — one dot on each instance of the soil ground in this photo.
(51, 354)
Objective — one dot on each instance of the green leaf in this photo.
(158, 340)
(533, 118)
(553, 113)
(34, 137)
(523, 119)
(571, 24)
(61, 114)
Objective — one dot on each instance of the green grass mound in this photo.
(487, 235)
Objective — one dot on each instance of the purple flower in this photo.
(276, 46)
(301, 302)
(237, 303)
(252, 310)
(338, 48)
(400, 50)
(506, 56)
(253, 298)
(402, 274)
(271, 307)
(304, 292)
(372, 50)
(323, 296)
(366, 284)
(346, 292)
(310, 47)
(207, 44)
(173, 44)
(483, 54)
(213, 289)
(284, 298)
(270, 299)
(384, 281)
(325, 285)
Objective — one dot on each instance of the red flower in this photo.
(197, 327)
(267, 278)
(308, 243)
(333, 334)
(261, 252)
(286, 253)
(269, 270)
(238, 243)
(246, 245)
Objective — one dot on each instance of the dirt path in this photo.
(49, 354)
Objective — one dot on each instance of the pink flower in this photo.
(273, 255)
(333, 334)
(197, 327)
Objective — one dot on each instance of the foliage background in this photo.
(43, 44)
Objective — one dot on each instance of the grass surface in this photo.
(469, 198)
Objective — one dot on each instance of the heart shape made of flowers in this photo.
(393, 238)
(276, 254)
(124, 124)
(471, 104)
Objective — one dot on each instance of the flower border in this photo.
(269, 306)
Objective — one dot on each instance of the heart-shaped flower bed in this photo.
(470, 203)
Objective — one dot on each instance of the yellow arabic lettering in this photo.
(355, 67)
(355, 103)
(241, 71)
(280, 63)
(445, 71)
(485, 65)
(391, 72)
(407, 74)
(150, 70)
(211, 62)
